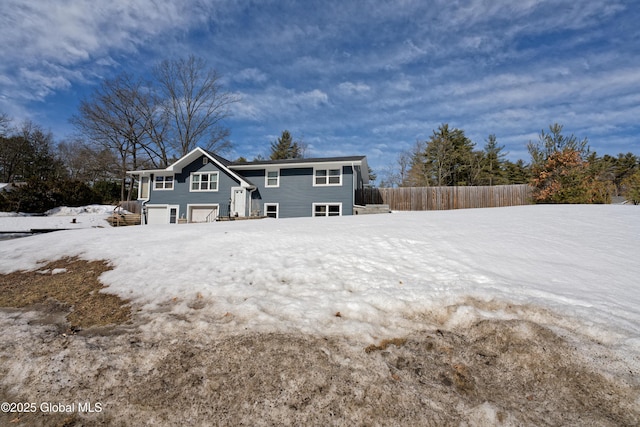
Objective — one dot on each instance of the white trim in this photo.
(216, 173)
(266, 177)
(277, 205)
(173, 182)
(212, 206)
(193, 155)
(326, 204)
(328, 176)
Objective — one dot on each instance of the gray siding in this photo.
(180, 195)
(296, 193)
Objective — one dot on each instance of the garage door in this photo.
(157, 215)
(204, 213)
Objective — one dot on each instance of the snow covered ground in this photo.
(380, 272)
(58, 218)
(572, 269)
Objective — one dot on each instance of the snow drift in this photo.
(564, 278)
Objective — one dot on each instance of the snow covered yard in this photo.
(62, 218)
(526, 315)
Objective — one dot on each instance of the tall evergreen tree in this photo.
(517, 172)
(493, 172)
(449, 158)
(285, 147)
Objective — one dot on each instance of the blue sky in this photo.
(348, 77)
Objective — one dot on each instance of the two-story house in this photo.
(202, 186)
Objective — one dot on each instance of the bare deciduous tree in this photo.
(113, 118)
(5, 121)
(195, 103)
(85, 162)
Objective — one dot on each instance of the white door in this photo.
(157, 215)
(204, 213)
(238, 201)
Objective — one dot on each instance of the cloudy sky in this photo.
(348, 77)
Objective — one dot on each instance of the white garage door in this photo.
(157, 215)
(204, 213)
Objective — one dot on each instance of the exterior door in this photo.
(238, 201)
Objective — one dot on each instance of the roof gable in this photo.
(192, 156)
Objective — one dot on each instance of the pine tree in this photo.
(631, 187)
(285, 148)
(493, 172)
(449, 158)
(517, 173)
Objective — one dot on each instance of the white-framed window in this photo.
(329, 176)
(272, 178)
(163, 182)
(204, 181)
(272, 210)
(327, 209)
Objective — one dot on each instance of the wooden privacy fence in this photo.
(440, 198)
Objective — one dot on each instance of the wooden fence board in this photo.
(440, 198)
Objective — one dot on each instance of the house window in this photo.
(327, 209)
(272, 179)
(327, 177)
(204, 181)
(163, 182)
(271, 210)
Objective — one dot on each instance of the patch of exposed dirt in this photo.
(493, 372)
(70, 286)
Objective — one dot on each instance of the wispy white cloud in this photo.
(251, 75)
(351, 88)
(278, 103)
(52, 45)
(378, 74)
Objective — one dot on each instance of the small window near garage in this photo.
(327, 209)
(271, 210)
(163, 182)
(204, 181)
(272, 178)
(327, 177)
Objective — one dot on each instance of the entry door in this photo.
(238, 201)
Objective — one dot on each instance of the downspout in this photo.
(143, 212)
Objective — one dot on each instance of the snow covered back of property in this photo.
(373, 276)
